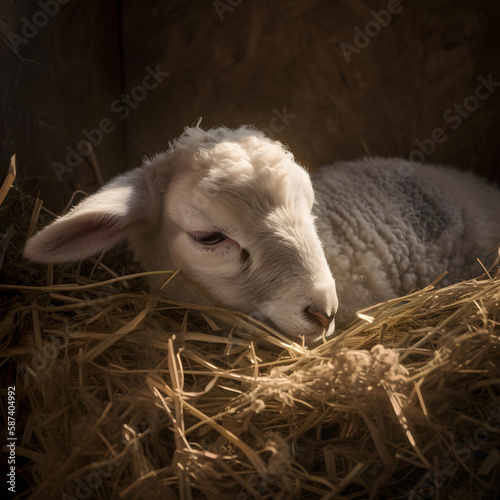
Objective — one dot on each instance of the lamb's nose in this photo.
(319, 316)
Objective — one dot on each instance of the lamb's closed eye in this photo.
(208, 238)
(215, 241)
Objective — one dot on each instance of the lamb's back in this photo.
(389, 226)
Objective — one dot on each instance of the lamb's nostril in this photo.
(318, 316)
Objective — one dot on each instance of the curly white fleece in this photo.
(389, 226)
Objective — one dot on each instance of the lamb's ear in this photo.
(96, 224)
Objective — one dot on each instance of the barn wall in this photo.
(305, 70)
(281, 65)
(61, 69)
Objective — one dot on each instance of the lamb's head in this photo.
(231, 209)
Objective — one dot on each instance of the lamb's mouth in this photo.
(304, 340)
(324, 336)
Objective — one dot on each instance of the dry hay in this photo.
(123, 395)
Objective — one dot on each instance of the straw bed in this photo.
(125, 395)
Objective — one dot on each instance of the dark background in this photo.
(278, 65)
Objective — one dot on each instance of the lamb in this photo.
(234, 211)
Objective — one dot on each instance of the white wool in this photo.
(389, 226)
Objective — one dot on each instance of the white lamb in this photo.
(233, 210)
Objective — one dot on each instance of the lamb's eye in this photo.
(208, 238)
